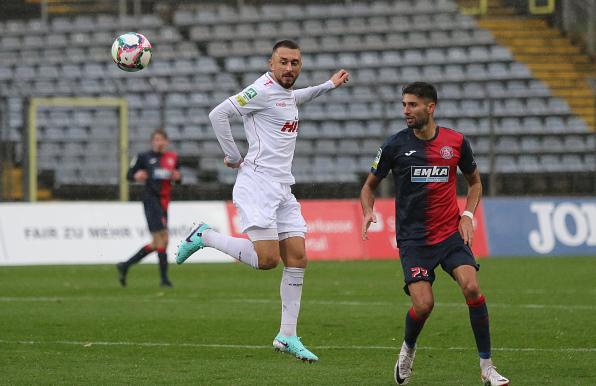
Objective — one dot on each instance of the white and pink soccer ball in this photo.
(131, 52)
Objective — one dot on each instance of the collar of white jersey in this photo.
(270, 77)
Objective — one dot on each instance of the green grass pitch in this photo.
(75, 325)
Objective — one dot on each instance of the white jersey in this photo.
(270, 116)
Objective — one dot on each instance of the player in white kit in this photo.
(269, 212)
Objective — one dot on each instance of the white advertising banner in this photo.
(97, 232)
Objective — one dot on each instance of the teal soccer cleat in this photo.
(292, 345)
(192, 243)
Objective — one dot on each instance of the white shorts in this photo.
(266, 204)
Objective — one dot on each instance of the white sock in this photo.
(291, 292)
(485, 363)
(240, 249)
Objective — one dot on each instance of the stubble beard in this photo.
(285, 84)
(418, 123)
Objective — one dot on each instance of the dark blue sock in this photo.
(414, 325)
(139, 255)
(479, 322)
(163, 264)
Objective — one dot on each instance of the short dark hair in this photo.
(421, 90)
(285, 43)
(161, 132)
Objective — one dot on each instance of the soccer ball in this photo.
(131, 52)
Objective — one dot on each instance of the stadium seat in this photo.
(474, 90)
(506, 164)
(349, 146)
(558, 106)
(528, 164)
(576, 143)
(325, 146)
(530, 144)
(550, 162)
(326, 129)
(435, 56)
(551, 143)
(536, 106)
(5, 73)
(304, 147)
(507, 145)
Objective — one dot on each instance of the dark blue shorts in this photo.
(157, 216)
(419, 262)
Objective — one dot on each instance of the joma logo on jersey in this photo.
(430, 173)
(290, 126)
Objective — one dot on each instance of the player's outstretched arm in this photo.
(304, 95)
(220, 120)
(367, 201)
(340, 77)
(466, 224)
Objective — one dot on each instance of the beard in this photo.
(418, 123)
(286, 82)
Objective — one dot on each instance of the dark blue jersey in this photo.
(424, 173)
(159, 168)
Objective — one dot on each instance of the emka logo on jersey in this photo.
(162, 174)
(429, 173)
(290, 126)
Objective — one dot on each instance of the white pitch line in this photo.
(456, 305)
(180, 299)
(241, 346)
(140, 299)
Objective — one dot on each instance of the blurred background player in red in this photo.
(157, 169)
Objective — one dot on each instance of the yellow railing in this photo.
(35, 103)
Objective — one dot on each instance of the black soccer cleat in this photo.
(122, 270)
(167, 284)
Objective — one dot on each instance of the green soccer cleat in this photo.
(293, 345)
(192, 243)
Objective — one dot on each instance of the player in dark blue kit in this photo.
(423, 159)
(157, 169)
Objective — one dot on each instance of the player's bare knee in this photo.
(471, 291)
(297, 261)
(268, 262)
(423, 309)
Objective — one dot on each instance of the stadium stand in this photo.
(209, 53)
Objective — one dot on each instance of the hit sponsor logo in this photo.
(290, 127)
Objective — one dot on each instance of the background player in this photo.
(156, 168)
(269, 212)
(430, 231)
